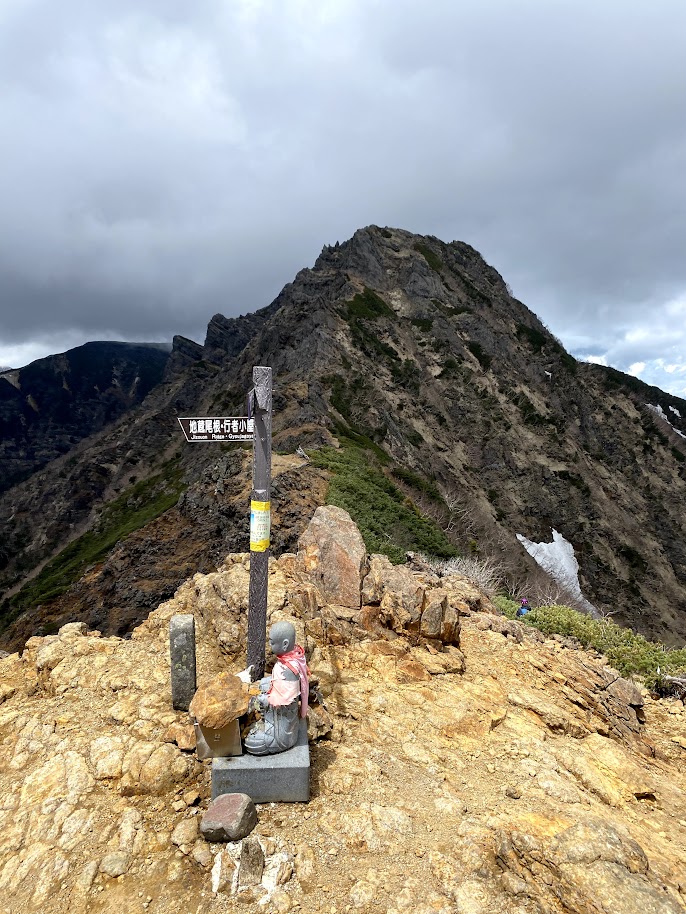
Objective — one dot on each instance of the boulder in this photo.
(230, 817)
(218, 702)
(332, 552)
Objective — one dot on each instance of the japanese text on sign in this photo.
(260, 524)
(226, 428)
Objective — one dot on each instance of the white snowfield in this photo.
(663, 415)
(558, 560)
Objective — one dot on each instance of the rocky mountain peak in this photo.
(409, 357)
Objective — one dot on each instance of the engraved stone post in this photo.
(182, 651)
(260, 520)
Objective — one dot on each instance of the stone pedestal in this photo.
(280, 778)
(218, 743)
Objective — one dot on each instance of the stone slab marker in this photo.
(182, 652)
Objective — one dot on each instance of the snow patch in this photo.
(12, 376)
(675, 411)
(663, 415)
(558, 560)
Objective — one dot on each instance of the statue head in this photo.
(282, 638)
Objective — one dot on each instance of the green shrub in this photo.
(475, 290)
(451, 310)
(347, 436)
(529, 413)
(428, 487)
(450, 368)
(389, 523)
(628, 652)
(576, 480)
(477, 350)
(369, 343)
(343, 399)
(432, 259)
(368, 305)
(423, 323)
(633, 557)
(535, 338)
(407, 374)
(129, 512)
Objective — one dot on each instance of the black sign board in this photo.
(226, 428)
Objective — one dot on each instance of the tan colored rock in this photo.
(439, 663)
(218, 702)
(411, 671)
(52, 653)
(305, 865)
(6, 691)
(332, 553)
(115, 864)
(186, 832)
(319, 723)
(183, 734)
(598, 825)
(202, 854)
(251, 864)
(607, 770)
(107, 757)
(73, 629)
(223, 872)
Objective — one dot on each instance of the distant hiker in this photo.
(523, 609)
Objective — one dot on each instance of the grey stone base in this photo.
(280, 778)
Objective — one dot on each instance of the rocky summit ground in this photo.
(462, 763)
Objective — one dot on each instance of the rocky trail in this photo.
(463, 763)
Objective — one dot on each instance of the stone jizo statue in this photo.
(281, 695)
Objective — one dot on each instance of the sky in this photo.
(163, 161)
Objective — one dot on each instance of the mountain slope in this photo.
(50, 405)
(415, 351)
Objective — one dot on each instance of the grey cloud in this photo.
(168, 160)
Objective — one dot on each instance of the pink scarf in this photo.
(296, 663)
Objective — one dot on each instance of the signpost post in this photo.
(258, 429)
(260, 519)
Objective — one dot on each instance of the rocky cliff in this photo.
(53, 403)
(414, 352)
(463, 763)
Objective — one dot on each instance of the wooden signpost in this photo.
(256, 427)
(260, 519)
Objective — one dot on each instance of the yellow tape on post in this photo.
(260, 524)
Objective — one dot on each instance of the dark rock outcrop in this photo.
(53, 403)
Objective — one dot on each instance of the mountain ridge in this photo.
(416, 349)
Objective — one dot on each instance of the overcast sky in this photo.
(163, 160)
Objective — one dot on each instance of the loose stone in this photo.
(230, 817)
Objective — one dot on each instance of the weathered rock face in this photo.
(511, 775)
(333, 555)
